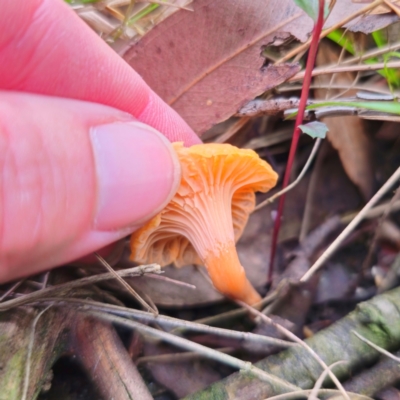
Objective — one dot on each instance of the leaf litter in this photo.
(208, 81)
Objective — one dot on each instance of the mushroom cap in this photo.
(209, 211)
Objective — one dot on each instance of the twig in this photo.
(29, 356)
(61, 289)
(274, 106)
(45, 280)
(326, 32)
(351, 87)
(372, 53)
(292, 336)
(12, 288)
(170, 280)
(373, 345)
(345, 68)
(306, 393)
(392, 7)
(170, 321)
(335, 244)
(128, 287)
(320, 380)
(291, 88)
(294, 183)
(373, 212)
(243, 366)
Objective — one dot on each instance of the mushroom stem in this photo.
(228, 275)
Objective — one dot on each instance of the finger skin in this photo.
(46, 165)
(50, 187)
(45, 48)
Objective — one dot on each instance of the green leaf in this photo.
(311, 8)
(315, 129)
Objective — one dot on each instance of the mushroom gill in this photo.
(207, 215)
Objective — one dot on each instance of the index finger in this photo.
(45, 48)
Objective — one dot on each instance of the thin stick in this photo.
(326, 32)
(320, 380)
(372, 53)
(291, 88)
(373, 212)
(392, 7)
(351, 87)
(172, 281)
(243, 366)
(292, 336)
(306, 393)
(125, 284)
(360, 216)
(45, 279)
(171, 322)
(345, 68)
(66, 287)
(29, 356)
(373, 345)
(294, 183)
(12, 288)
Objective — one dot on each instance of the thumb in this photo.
(75, 176)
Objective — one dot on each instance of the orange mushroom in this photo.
(207, 215)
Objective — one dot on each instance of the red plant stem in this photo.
(297, 132)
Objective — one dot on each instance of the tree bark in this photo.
(16, 332)
(378, 320)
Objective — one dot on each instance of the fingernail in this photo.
(138, 172)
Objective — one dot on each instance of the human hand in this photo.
(75, 175)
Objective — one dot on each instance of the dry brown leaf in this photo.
(347, 135)
(368, 23)
(208, 63)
